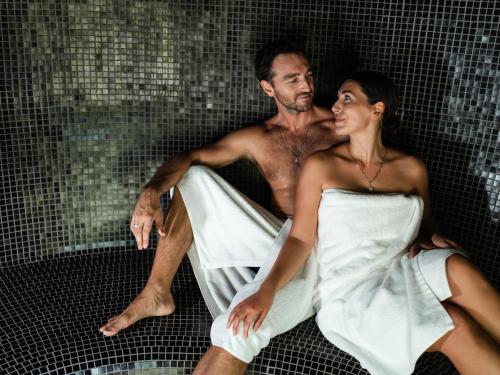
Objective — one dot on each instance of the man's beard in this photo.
(292, 104)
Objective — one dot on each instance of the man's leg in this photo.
(230, 353)
(156, 298)
(219, 362)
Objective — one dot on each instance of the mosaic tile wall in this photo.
(96, 94)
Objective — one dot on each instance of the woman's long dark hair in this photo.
(380, 88)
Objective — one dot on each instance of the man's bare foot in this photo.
(149, 303)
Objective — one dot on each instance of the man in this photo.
(206, 209)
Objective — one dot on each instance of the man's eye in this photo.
(293, 80)
(347, 98)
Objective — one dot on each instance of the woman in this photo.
(374, 299)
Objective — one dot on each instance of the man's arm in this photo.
(230, 148)
(226, 151)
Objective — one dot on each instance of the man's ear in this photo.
(267, 88)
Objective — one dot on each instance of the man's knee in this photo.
(244, 349)
(218, 361)
(176, 226)
(224, 355)
(194, 172)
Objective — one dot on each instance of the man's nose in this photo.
(307, 85)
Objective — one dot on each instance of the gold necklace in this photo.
(370, 187)
(296, 150)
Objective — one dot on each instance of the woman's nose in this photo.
(336, 107)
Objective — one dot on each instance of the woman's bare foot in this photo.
(151, 302)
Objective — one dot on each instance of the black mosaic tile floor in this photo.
(51, 311)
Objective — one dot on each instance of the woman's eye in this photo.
(347, 98)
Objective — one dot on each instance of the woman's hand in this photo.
(251, 312)
(437, 241)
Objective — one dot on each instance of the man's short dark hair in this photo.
(266, 55)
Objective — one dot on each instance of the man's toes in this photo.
(108, 333)
(110, 328)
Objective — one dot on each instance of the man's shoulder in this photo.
(323, 112)
(252, 130)
(247, 137)
(264, 127)
(323, 116)
(324, 124)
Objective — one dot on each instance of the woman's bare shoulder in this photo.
(411, 165)
(330, 155)
(322, 164)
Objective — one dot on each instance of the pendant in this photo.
(370, 189)
(296, 160)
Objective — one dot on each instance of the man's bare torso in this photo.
(279, 154)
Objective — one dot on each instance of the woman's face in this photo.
(353, 112)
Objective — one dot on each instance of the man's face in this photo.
(292, 84)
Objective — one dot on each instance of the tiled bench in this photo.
(51, 311)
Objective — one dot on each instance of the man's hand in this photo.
(251, 312)
(437, 242)
(147, 210)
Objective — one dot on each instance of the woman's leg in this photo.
(468, 347)
(472, 292)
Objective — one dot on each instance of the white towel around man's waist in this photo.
(232, 234)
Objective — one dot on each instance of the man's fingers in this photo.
(159, 220)
(138, 235)
(414, 249)
(456, 245)
(426, 245)
(441, 243)
(412, 253)
(146, 231)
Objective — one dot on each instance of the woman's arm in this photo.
(429, 236)
(293, 254)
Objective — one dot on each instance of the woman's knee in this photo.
(465, 333)
(463, 274)
(457, 263)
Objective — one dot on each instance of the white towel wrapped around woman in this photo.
(373, 301)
